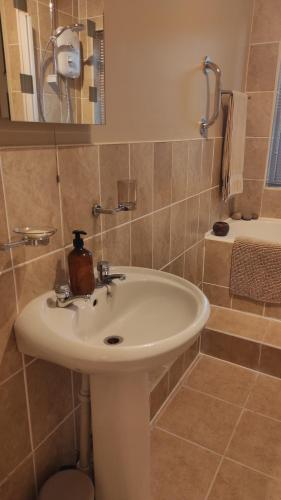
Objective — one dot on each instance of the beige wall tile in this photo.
(266, 22)
(270, 361)
(141, 169)
(255, 158)
(162, 181)
(193, 266)
(176, 371)
(273, 310)
(230, 348)
(159, 395)
(191, 353)
(57, 451)
(116, 246)
(5, 257)
(38, 277)
(11, 20)
(141, 234)
(259, 114)
(194, 167)
(250, 200)
(192, 468)
(273, 334)
(192, 221)
(247, 305)
(15, 439)
(178, 214)
(204, 213)
(114, 166)
(11, 360)
(217, 165)
(217, 263)
(179, 170)
(217, 295)
(238, 323)
(8, 309)
(176, 267)
(20, 484)
(48, 407)
(219, 209)
(161, 238)
(95, 7)
(79, 177)
(262, 67)
(30, 178)
(207, 164)
(271, 206)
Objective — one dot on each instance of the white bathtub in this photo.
(262, 229)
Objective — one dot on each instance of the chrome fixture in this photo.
(205, 123)
(127, 198)
(31, 236)
(72, 27)
(104, 276)
(65, 297)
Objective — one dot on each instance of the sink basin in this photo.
(151, 315)
(116, 338)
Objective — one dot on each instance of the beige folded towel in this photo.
(256, 270)
(234, 146)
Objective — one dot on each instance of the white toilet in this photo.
(69, 484)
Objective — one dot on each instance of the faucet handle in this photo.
(62, 290)
(103, 267)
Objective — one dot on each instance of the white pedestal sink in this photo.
(149, 317)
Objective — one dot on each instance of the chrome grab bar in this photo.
(206, 123)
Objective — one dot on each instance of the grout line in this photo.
(174, 390)
(56, 428)
(30, 424)
(252, 469)
(187, 440)
(3, 481)
(187, 386)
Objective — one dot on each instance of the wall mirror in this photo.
(52, 61)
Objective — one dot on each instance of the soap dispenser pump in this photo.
(80, 264)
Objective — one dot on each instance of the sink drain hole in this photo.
(113, 340)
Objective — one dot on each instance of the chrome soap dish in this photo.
(32, 236)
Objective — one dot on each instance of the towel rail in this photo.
(205, 123)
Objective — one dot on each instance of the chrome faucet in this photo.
(65, 297)
(104, 276)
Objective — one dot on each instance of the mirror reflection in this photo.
(52, 56)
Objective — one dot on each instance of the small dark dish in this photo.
(221, 228)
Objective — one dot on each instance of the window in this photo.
(274, 166)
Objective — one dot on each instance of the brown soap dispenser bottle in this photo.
(80, 264)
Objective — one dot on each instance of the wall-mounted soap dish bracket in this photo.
(127, 199)
(32, 236)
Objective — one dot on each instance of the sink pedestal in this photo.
(121, 435)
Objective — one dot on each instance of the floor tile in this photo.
(200, 418)
(257, 443)
(180, 470)
(265, 397)
(238, 323)
(236, 482)
(223, 380)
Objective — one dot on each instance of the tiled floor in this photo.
(219, 436)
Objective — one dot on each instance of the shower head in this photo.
(73, 27)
